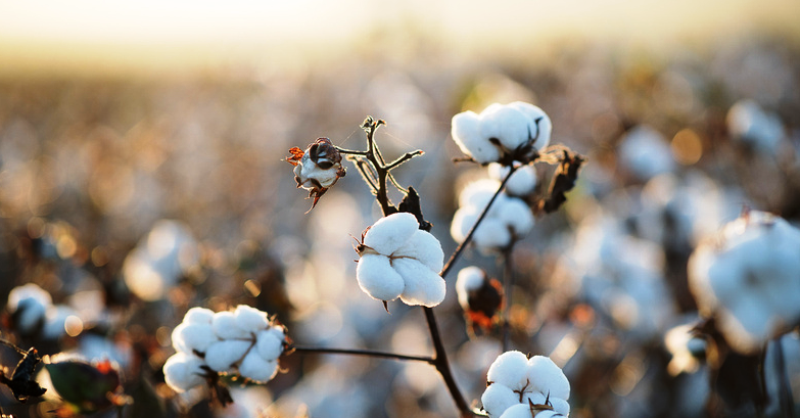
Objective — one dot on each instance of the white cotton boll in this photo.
(521, 183)
(546, 377)
(560, 406)
(466, 134)
(222, 355)
(463, 220)
(518, 411)
(425, 248)
(478, 193)
(469, 279)
(509, 369)
(226, 327)
(182, 372)
(269, 345)
(497, 398)
(198, 315)
(516, 214)
(254, 367)
(377, 278)
(645, 153)
(550, 414)
(505, 124)
(422, 285)
(533, 397)
(541, 127)
(32, 301)
(389, 233)
(191, 337)
(250, 319)
(492, 234)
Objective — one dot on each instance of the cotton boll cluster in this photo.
(521, 183)
(244, 341)
(400, 260)
(34, 315)
(480, 296)
(645, 153)
(750, 124)
(514, 379)
(509, 218)
(748, 275)
(159, 259)
(502, 132)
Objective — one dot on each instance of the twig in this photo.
(359, 352)
(508, 278)
(784, 389)
(443, 366)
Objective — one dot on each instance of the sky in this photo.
(82, 35)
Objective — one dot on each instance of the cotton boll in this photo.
(536, 398)
(645, 153)
(518, 411)
(517, 215)
(226, 327)
(521, 183)
(478, 193)
(507, 125)
(425, 248)
(254, 367)
(749, 123)
(491, 234)
(422, 285)
(31, 303)
(469, 279)
(541, 126)
(188, 338)
(497, 398)
(559, 405)
(463, 220)
(269, 345)
(389, 233)
(182, 372)
(546, 377)
(377, 278)
(250, 319)
(509, 369)
(222, 355)
(466, 134)
(198, 315)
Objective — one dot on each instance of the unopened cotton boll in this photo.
(466, 134)
(222, 355)
(250, 319)
(423, 286)
(254, 367)
(183, 372)
(389, 233)
(227, 327)
(377, 278)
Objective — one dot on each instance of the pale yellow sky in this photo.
(154, 34)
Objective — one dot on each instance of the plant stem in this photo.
(508, 280)
(358, 352)
(453, 258)
(443, 366)
(784, 388)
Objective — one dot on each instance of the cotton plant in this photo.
(33, 313)
(244, 342)
(518, 386)
(747, 276)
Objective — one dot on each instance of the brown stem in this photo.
(453, 258)
(443, 366)
(508, 278)
(358, 352)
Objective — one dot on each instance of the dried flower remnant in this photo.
(398, 259)
(748, 277)
(536, 383)
(481, 297)
(317, 168)
(22, 382)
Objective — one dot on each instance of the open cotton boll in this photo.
(521, 183)
(546, 377)
(463, 220)
(541, 127)
(518, 411)
(222, 355)
(465, 129)
(182, 372)
(509, 369)
(505, 124)
(491, 234)
(496, 399)
(198, 315)
(389, 233)
(269, 345)
(425, 248)
(517, 215)
(469, 279)
(256, 368)
(188, 338)
(478, 193)
(423, 286)
(377, 278)
(250, 319)
(226, 326)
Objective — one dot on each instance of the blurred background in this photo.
(141, 174)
